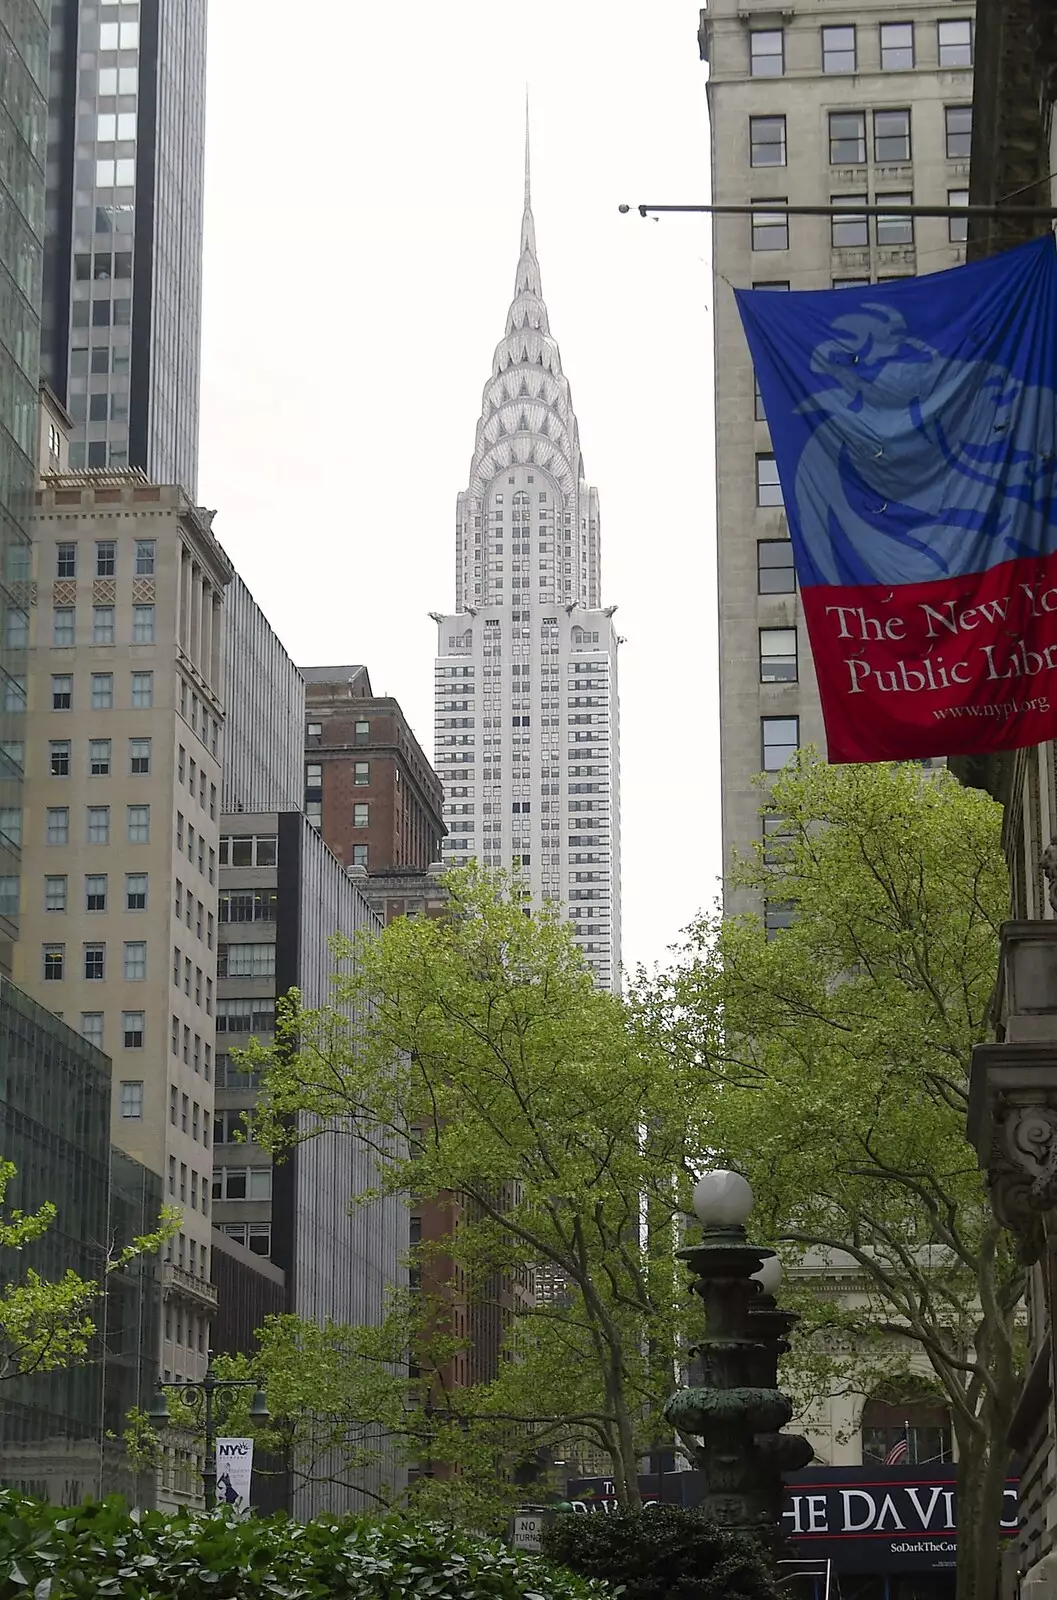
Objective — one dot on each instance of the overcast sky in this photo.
(363, 201)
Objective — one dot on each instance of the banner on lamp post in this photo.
(234, 1472)
(914, 430)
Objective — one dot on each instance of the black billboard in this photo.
(864, 1519)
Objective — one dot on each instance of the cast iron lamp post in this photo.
(200, 1396)
(732, 1420)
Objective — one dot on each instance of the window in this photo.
(361, 815)
(891, 136)
(246, 961)
(98, 824)
(58, 825)
(242, 1183)
(105, 560)
(359, 855)
(66, 561)
(142, 624)
(362, 732)
(139, 757)
(132, 1090)
(95, 891)
(138, 820)
(767, 141)
(777, 834)
(780, 738)
(61, 691)
(956, 43)
(778, 663)
(778, 914)
(59, 758)
(757, 400)
(254, 1236)
(246, 1016)
(95, 961)
(849, 230)
(102, 624)
(55, 893)
(248, 905)
(102, 691)
(768, 488)
(54, 962)
(957, 227)
(315, 730)
(897, 46)
(99, 758)
(145, 558)
(142, 690)
(770, 229)
(251, 851)
(361, 773)
(63, 620)
(135, 891)
(838, 49)
(959, 124)
(913, 1418)
(847, 138)
(92, 1027)
(8, 895)
(895, 230)
(766, 53)
(135, 960)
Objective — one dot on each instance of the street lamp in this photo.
(731, 1419)
(200, 1397)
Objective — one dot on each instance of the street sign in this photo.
(528, 1528)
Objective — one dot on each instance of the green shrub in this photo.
(103, 1552)
(661, 1553)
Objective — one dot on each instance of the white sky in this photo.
(363, 200)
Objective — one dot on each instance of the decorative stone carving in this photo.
(1048, 863)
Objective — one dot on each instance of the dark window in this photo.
(767, 141)
(105, 558)
(891, 136)
(849, 231)
(847, 138)
(959, 122)
(778, 914)
(774, 566)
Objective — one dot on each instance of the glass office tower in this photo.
(23, 72)
(123, 247)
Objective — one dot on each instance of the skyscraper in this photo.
(527, 741)
(865, 104)
(23, 70)
(123, 237)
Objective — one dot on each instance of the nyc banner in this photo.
(914, 428)
(234, 1472)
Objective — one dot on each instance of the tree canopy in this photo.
(837, 1055)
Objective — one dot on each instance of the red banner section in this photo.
(958, 666)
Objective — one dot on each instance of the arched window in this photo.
(906, 1423)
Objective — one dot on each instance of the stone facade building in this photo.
(818, 105)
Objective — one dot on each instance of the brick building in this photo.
(368, 785)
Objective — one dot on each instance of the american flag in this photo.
(899, 1452)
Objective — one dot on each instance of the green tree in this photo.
(483, 1062)
(45, 1324)
(838, 1056)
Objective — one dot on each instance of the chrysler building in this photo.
(527, 736)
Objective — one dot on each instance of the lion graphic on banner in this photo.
(915, 453)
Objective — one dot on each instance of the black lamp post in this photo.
(200, 1396)
(736, 1411)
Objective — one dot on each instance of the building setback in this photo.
(853, 103)
(24, 53)
(282, 896)
(121, 831)
(265, 697)
(123, 238)
(368, 786)
(526, 729)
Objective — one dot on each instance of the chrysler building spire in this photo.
(526, 686)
